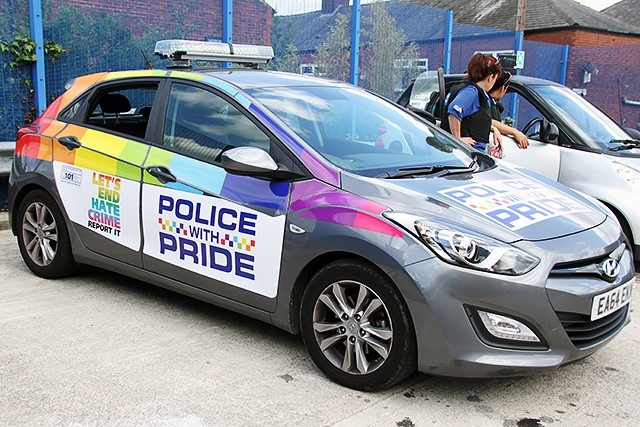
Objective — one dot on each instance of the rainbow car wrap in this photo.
(325, 210)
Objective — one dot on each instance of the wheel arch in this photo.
(19, 196)
(624, 222)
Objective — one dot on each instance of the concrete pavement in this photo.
(101, 349)
(4, 221)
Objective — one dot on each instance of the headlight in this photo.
(473, 251)
(469, 250)
(627, 173)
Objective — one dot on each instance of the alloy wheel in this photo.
(40, 234)
(352, 327)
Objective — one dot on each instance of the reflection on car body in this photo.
(322, 209)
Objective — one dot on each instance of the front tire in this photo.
(43, 237)
(356, 327)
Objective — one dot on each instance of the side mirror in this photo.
(254, 161)
(249, 161)
(634, 133)
(552, 133)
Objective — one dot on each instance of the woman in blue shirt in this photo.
(469, 112)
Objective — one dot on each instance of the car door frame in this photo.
(542, 150)
(93, 240)
(542, 156)
(194, 280)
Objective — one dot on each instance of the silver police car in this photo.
(322, 209)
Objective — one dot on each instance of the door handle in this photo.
(71, 142)
(161, 173)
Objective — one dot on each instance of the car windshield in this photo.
(359, 132)
(591, 125)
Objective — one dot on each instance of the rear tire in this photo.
(43, 237)
(357, 328)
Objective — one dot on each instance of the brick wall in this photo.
(580, 37)
(252, 22)
(617, 76)
(195, 19)
(611, 60)
(328, 6)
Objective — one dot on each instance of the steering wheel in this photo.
(529, 125)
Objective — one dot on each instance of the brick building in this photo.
(550, 21)
(197, 19)
(604, 46)
(627, 11)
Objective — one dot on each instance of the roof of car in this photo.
(243, 78)
(534, 81)
(251, 79)
(516, 78)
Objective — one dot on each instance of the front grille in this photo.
(592, 266)
(584, 333)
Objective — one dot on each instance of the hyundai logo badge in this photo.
(610, 268)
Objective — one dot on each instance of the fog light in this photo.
(506, 328)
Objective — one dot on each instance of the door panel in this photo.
(99, 184)
(217, 232)
(98, 160)
(540, 157)
(230, 245)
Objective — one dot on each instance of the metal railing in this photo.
(109, 35)
(6, 157)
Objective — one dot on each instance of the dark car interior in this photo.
(123, 111)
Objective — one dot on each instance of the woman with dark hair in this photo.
(469, 107)
(496, 93)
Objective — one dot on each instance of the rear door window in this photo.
(119, 109)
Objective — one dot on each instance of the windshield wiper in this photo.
(436, 170)
(626, 144)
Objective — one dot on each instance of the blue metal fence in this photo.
(15, 82)
(108, 35)
(544, 60)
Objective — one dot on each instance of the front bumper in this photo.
(556, 306)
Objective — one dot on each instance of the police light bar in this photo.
(180, 50)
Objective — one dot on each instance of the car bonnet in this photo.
(502, 203)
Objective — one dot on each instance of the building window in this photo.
(309, 69)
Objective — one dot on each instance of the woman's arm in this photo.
(504, 129)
